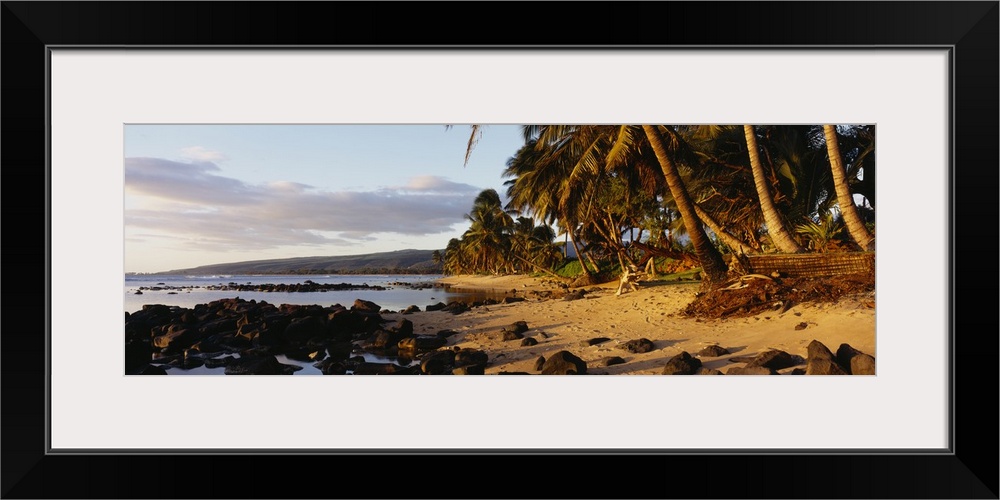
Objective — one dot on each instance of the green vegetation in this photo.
(622, 195)
(821, 234)
(571, 268)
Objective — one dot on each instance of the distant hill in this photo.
(398, 262)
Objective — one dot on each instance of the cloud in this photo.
(198, 153)
(210, 211)
(431, 184)
(288, 187)
(184, 182)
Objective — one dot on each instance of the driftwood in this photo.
(629, 280)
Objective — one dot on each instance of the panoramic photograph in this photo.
(499, 249)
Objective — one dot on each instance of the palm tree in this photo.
(496, 242)
(436, 256)
(542, 247)
(485, 239)
(711, 260)
(845, 200)
(725, 188)
(454, 261)
(779, 234)
(560, 174)
(721, 186)
(544, 183)
(535, 187)
(605, 154)
(531, 245)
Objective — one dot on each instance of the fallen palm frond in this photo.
(741, 282)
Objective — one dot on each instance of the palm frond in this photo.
(474, 136)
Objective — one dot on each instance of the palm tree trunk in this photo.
(731, 241)
(590, 258)
(845, 200)
(775, 226)
(579, 256)
(713, 267)
(614, 237)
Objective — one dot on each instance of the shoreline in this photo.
(527, 321)
(653, 312)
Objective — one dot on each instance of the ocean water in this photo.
(401, 290)
(306, 367)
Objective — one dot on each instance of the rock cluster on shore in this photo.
(245, 337)
(307, 286)
(820, 361)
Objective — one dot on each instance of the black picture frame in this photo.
(969, 28)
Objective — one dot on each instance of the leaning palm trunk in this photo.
(597, 268)
(731, 241)
(712, 265)
(579, 256)
(845, 201)
(615, 241)
(775, 226)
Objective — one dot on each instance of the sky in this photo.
(208, 194)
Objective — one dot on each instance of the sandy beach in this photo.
(653, 312)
